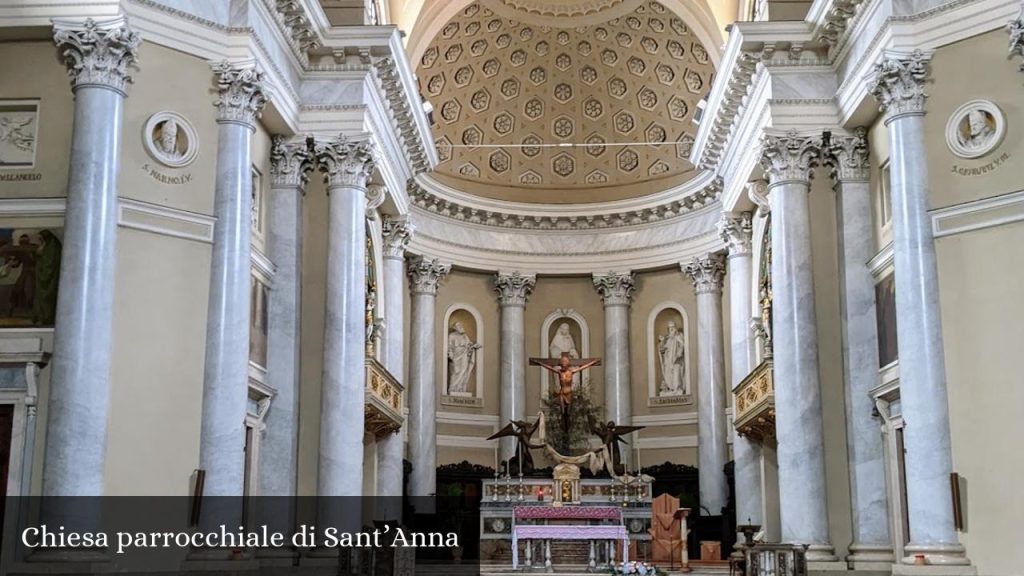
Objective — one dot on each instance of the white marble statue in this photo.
(563, 342)
(672, 354)
(168, 142)
(461, 360)
(978, 132)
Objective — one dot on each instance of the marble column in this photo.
(290, 164)
(736, 231)
(513, 290)
(847, 157)
(424, 276)
(898, 83)
(226, 374)
(707, 274)
(788, 161)
(346, 165)
(616, 291)
(97, 55)
(397, 233)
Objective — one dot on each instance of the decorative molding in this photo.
(757, 192)
(736, 232)
(97, 53)
(425, 274)
(789, 158)
(836, 20)
(164, 220)
(240, 92)
(386, 73)
(472, 442)
(978, 214)
(615, 288)
(514, 289)
(32, 207)
(897, 82)
(883, 263)
(463, 419)
(396, 231)
(674, 419)
(344, 162)
(706, 273)
(731, 100)
(290, 162)
(680, 441)
(262, 267)
(847, 157)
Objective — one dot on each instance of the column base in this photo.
(871, 557)
(821, 554)
(935, 555)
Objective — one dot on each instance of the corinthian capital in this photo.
(736, 231)
(897, 82)
(513, 289)
(790, 157)
(397, 232)
(847, 157)
(706, 273)
(240, 92)
(97, 53)
(615, 288)
(425, 274)
(1016, 30)
(290, 162)
(344, 162)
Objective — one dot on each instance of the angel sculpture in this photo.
(611, 434)
(523, 432)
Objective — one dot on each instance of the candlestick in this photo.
(520, 498)
(494, 495)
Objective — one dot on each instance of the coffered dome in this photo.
(564, 112)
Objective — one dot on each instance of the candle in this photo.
(495, 456)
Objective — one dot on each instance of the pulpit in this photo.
(666, 530)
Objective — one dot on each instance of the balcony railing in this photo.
(383, 405)
(754, 402)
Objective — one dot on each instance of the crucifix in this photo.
(565, 367)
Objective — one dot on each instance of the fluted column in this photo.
(226, 374)
(290, 163)
(97, 56)
(616, 290)
(898, 84)
(397, 233)
(847, 157)
(736, 231)
(346, 165)
(788, 160)
(707, 274)
(513, 290)
(424, 276)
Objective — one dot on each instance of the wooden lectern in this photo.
(668, 531)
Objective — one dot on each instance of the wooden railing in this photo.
(383, 405)
(754, 403)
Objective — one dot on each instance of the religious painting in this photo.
(259, 300)
(564, 335)
(885, 311)
(463, 356)
(18, 126)
(669, 356)
(29, 276)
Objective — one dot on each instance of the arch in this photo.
(652, 356)
(545, 331)
(477, 398)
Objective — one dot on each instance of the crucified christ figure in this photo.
(565, 367)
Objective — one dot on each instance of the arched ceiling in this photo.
(574, 101)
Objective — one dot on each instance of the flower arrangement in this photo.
(637, 569)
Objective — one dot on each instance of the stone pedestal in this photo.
(513, 290)
(707, 274)
(424, 276)
(616, 290)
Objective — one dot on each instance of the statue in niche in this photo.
(461, 360)
(563, 343)
(977, 129)
(672, 354)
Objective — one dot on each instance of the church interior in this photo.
(648, 286)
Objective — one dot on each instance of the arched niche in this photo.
(473, 326)
(657, 329)
(580, 332)
(375, 313)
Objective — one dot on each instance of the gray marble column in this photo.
(736, 231)
(390, 450)
(847, 157)
(513, 290)
(788, 160)
(97, 56)
(616, 290)
(346, 165)
(898, 82)
(226, 375)
(290, 163)
(707, 274)
(424, 276)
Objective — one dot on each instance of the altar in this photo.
(607, 521)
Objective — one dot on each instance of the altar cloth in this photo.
(568, 513)
(562, 532)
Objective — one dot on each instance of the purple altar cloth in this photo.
(568, 533)
(567, 512)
